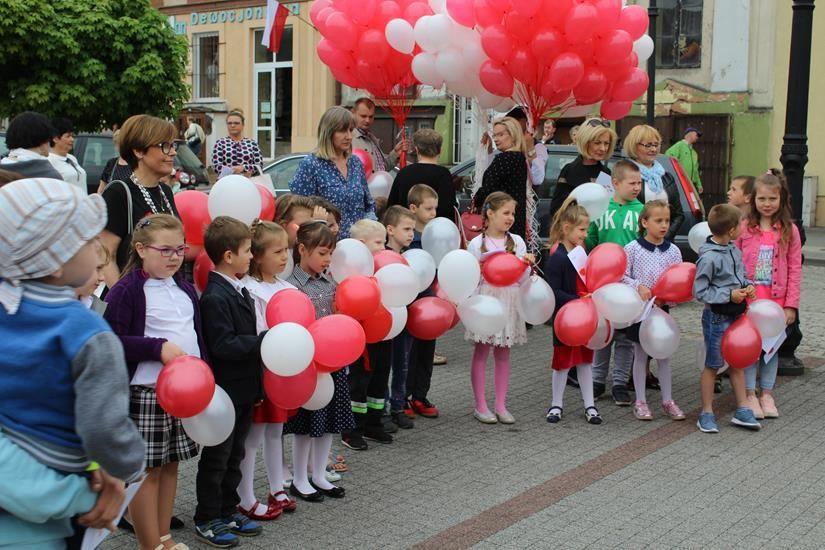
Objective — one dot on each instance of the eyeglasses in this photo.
(652, 145)
(168, 146)
(593, 122)
(167, 252)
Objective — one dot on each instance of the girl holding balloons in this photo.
(498, 215)
(155, 313)
(569, 230)
(648, 257)
(270, 252)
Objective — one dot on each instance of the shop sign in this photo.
(236, 16)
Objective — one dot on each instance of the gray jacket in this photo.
(719, 270)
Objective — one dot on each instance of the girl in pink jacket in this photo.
(772, 254)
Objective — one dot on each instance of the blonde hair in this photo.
(364, 229)
(335, 119)
(419, 193)
(286, 205)
(395, 214)
(144, 234)
(238, 113)
(514, 129)
(588, 133)
(493, 202)
(639, 134)
(647, 211)
(139, 133)
(263, 234)
(571, 213)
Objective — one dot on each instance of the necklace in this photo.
(148, 198)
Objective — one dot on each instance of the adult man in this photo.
(364, 113)
(687, 156)
(549, 136)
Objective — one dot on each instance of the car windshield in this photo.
(281, 172)
(98, 151)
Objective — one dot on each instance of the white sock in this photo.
(246, 490)
(559, 382)
(585, 377)
(640, 372)
(301, 445)
(665, 376)
(286, 470)
(273, 457)
(320, 454)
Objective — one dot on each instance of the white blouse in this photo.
(70, 169)
(261, 293)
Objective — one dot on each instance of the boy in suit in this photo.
(234, 347)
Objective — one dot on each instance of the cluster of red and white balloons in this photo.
(379, 182)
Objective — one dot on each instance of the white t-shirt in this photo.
(497, 246)
(70, 169)
(170, 315)
(261, 293)
(650, 195)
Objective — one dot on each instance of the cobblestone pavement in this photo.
(454, 483)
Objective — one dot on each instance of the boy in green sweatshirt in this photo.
(620, 225)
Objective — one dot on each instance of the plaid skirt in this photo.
(165, 439)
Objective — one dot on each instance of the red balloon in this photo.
(203, 265)
(193, 207)
(378, 325)
(339, 341)
(462, 12)
(676, 283)
(386, 12)
(487, 14)
(581, 23)
(741, 343)
(567, 71)
(429, 318)
(316, 8)
(495, 79)
(267, 203)
(615, 110)
(342, 31)
(520, 27)
(366, 160)
(387, 257)
(373, 46)
(192, 252)
(363, 12)
(606, 264)
(586, 50)
(527, 8)
(503, 269)
(523, 66)
(358, 297)
(614, 48)
(416, 11)
(546, 45)
(185, 386)
(609, 11)
(592, 87)
(576, 322)
(631, 86)
(633, 19)
(290, 392)
(496, 43)
(290, 306)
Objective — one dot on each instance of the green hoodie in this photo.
(619, 224)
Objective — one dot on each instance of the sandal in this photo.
(272, 512)
(338, 467)
(591, 414)
(177, 546)
(554, 414)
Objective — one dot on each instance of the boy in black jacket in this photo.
(234, 349)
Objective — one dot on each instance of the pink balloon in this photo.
(609, 11)
(363, 12)
(554, 14)
(581, 23)
(567, 70)
(323, 15)
(633, 19)
(373, 46)
(462, 12)
(614, 47)
(501, 5)
(341, 30)
(416, 11)
(586, 50)
(386, 12)
(519, 26)
(615, 110)
(495, 79)
(331, 55)
(631, 86)
(523, 66)
(618, 71)
(527, 8)
(486, 14)
(316, 8)
(592, 86)
(546, 45)
(496, 43)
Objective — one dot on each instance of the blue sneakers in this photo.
(707, 423)
(216, 533)
(744, 417)
(241, 525)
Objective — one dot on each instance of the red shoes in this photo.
(288, 505)
(272, 512)
(424, 408)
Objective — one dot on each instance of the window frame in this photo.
(678, 35)
(270, 68)
(198, 70)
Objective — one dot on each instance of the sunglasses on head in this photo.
(593, 122)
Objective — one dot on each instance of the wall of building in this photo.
(729, 54)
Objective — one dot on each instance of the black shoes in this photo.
(378, 435)
(335, 492)
(621, 396)
(598, 389)
(401, 420)
(354, 440)
(317, 496)
(388, 424)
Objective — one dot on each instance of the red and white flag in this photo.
(276, 15)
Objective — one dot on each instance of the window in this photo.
(679, 34)
(205, 66)
(273, 95)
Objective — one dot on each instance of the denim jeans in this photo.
(622, 361)
(767, 373)
(714, 326)
(401, 346)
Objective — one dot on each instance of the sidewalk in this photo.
(814, 249)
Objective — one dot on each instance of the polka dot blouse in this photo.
(229, 153)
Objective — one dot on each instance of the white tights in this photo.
(270, 436)
(320, 447)
(585, 377)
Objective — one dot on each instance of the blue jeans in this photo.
(401, 346)
(714, 326)
(622, 361)
(767, 373)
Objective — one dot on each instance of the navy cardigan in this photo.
(561, 275)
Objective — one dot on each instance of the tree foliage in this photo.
(95, 61)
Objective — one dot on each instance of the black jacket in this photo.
(571, 176)
(507, 172)
(677, 215)
(232, 340)
(561, 275)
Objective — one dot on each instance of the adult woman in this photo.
(596, 141)
(236, 154)
(508, 171)
(332, 172)
(61, 159)
(148, 146)
(116, 168)
(642, 147)
(28, 140)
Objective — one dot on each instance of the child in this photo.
(371, 233)
(740, 193)
(498, 214)
(400, 223)
(234, 348)
(155, 313)
(314, 429)
(620, 225)
(269, 259)
(647, 258)
(292, 210)
(722, 286)
(49, 341)
(772, 253)
(423, 203)
(333, 214)
(427, 171)
(86, 293)
(569, 230)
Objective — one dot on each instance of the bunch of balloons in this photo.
(744, 340)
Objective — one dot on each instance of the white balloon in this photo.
(486, 100)
(424, 266)
(618, 302)
(643, 47)
(536, 301)
(433, 32)
(324, 389)
(659, 335)
(398, 283)
(449, 63)
(287, 349)
(438, 6)
(290, 266)
(768, 316)
(603, 335)
(483, 315)
(439, 237)
(593, 197)
(400, 35)
(506, 104)
(474, 56)
(697, 235)
(423, 68)
(351, 257)
(399, 321)
(458, 275)
(213, 425)
(235, 196)
(380, 184)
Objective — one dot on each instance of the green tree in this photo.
(95, 61)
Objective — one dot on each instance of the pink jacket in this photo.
(787, 262)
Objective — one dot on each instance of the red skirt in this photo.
(567, 357)
(270, 413)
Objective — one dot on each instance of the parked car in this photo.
(558, 157)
